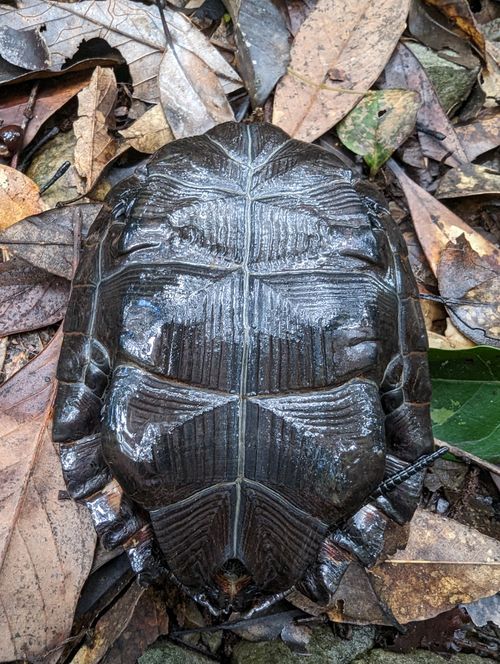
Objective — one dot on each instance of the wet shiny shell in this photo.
(243, 353)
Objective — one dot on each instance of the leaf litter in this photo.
(351, 76)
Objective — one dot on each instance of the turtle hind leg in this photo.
(323, 577)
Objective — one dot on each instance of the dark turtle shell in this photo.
(244, 362)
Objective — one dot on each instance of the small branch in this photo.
(28, 114)
(59, 173)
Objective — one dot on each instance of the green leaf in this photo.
(465, 407)
(378, 125)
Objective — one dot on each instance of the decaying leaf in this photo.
(110, 627)
(51, 240)
(465, 263)
(427, 28)
(50, 97)
(262, 43)
(46, 545)
(148, 621)
(26, 48)
(451, 340)
(131, 27)
(480, 136)
(192, 97)
(468, 180)
(95, 147)
(405, 71)
(466, 399)
(444, 564)
(460, 13)
(379, 124)
(340, 48)
(470, 284)
(356, 602)
(149, 132)
(30, 298)
(19, 197)
(435, 224)
(46, 162)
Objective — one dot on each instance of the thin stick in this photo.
(59, 173)
(28, 114)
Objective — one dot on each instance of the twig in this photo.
(462, 454)
(59, 173)
(36, 146)
(430, 132)
(28, 114)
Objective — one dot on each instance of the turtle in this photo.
(244, 363)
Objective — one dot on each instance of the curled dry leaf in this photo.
(46, 545)
(341, 47)
(262, 42)
(444, 564)
(149, 132)
(468, 180)
(405, 71)
(467, 268)
(192, 96)
(50, 97)
(51, 240)
(131, 27)
(379, 124)
(95, 147)
(19, 197)
(480, 136)
(30, 298)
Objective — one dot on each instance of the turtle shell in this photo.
(244, 361)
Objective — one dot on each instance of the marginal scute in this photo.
(245, 357)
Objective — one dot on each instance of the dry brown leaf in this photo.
(405, 71)
(435, 224)
(444, 564)
(480, 136)
(191, 95)
(46, 545)
(356, 602)
(468, 180)
(451, 340)
(340, 46)
(137, 619)
(95, 147)
(48, 240)
(149, 132)
(19, 197)
(131, 27)
(491, 74)
(262, 43)
(471, 285)
(30, 298)
(53, 94)
(465, 263)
